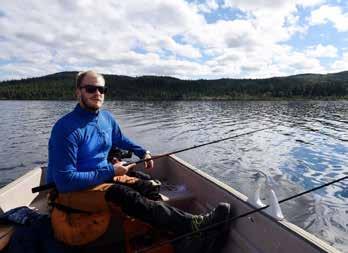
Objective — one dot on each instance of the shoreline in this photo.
(195, 99)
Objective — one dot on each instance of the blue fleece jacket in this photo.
(78, 149)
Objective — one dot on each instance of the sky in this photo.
(190, 39)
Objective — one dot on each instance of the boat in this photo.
(191, 189)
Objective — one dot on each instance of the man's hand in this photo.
(148, 164)
(120, 169)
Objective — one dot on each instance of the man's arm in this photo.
(62, 161)
(121, 141)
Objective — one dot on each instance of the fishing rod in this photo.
(201, 145)
(52, 185)
(210, 227)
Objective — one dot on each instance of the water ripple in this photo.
(308, 147)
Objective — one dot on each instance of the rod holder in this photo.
(273, 209)
(256, 199)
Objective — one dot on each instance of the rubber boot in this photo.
(162, 215)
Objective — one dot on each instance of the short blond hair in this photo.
(82, 74)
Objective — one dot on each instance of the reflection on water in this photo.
(307, 148)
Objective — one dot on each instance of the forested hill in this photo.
(60, 86)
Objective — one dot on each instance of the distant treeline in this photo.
(60, 86)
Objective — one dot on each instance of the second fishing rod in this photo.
(52, 185)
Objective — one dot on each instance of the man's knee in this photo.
(119, 194)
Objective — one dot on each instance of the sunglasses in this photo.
(92, 89)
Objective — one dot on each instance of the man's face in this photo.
(91, 98)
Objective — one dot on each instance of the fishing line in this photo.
(201, 145)
(52, 185)
(187, 235)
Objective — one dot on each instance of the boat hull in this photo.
(191, 189)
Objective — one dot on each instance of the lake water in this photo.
(307, 148)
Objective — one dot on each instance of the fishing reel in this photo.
(119, 154)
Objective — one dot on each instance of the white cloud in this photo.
(208, 6)
(225, 34)
(341, 64)
(164, 37)
(310, 3)
(275, 5)
(167, 43)
(333, 14)
(24, 70)
(180, 49)
(253, 5)
(322, 51)
(274, 20)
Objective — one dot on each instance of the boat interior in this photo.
(192, 190)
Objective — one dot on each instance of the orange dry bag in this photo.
(79, 228)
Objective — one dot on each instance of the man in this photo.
(81, 140)
(78, 150)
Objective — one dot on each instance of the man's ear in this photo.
(78, 94)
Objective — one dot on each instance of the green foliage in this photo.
(60, 86)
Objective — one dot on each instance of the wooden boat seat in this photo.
(5, 235)
(129, 235)
(176, 195)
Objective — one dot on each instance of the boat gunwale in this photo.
(291, 227)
